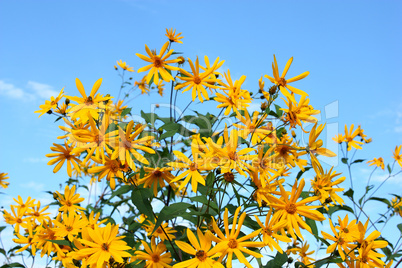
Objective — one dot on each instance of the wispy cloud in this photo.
(35, 186)
(33, 90)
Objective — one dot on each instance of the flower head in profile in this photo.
(125, 66)
(173, 37)
(284, 83)
(350, 136)
(397, 155)
(49, 105)
(158, 64)
(142, 85)
(3, 178)
(378, 162)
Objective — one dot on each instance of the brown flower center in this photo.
(105, 247)
(228, 176)
(69, 228)
(197, 80)
(282, 82)
(232, 243)
(201, 255)
(157, 62)
(157, 173)
(291, 208)
(155, 258)
(193, 166)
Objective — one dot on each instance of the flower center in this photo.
(89, 100)
(291, 208)
(193, 166)
(228, 176)
(197, 80)
(232, 243)
(105, 247)
(345, 230)
(157, 62)
(69, 228)
(201, 255)
(155, 258)
(233, 156)
(282, 82)
(157, 173)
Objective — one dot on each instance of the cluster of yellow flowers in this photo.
(255, 152)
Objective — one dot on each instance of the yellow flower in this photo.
(159, 64)
(16, 218)
(173, 37)
(343, 245)
(28, 240)
(160, 86)
(70, 226)
(86, 104)
(52, 104)
(270, 231)
(102, 245)
(154, 256)
(201, 250)
(396, 204)
(164, 232)
(339, 138)
(129, 145)
(230, 243)
(397, 155)
(191, 168)
(124, 66)
(297, 112)
(64, 154)
(284, 83)
(156, 176)
(289, 210)
(236, 98)
(305, 255)
(324, 187)
(110, 168)
(252, 126)
(69, 200)
(349, 138)
(143, 85)
(196, 81)
(379, 162)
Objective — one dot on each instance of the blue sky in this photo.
(351, 48)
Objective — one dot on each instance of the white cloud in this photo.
(35, 186)
(42, 90)
(14, 92)
(33, 90)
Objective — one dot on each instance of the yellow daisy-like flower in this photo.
(70, 225)
(173, 37)
(69, 200)
(102, 245)
(197, 81)
(124, 66)
(349, 138)
(201, 250)
(129, 145)
(289, 210)
(159, 64)
(230, 243)
(64, 154)
(142, 85)
(154, 256)
(284, 83)
(86, 104)
(3, 178)
(110, 168)
(156, 176)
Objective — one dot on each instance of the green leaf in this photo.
(349, 193)
(384, 200)
(170, 212)
(2, 228)
(58, 118)
(203, 200)
(140, 198)
(389, 169)
(313, 226)
(279, 260)
(344, 160)
(121, 190)
(61, 242)
(299, 265)
(358, 161)
(125, 112)
(301, 172)
(400, 227)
